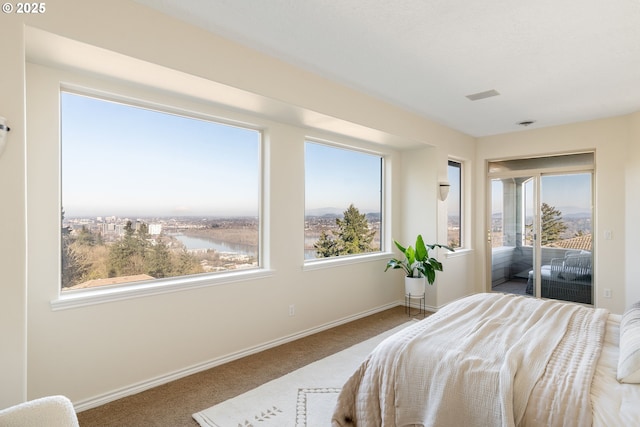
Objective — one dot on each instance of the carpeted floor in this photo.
(173, 404)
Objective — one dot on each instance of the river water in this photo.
(202, 243)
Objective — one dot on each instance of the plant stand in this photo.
(422, 303)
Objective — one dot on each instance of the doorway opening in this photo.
(540, 230)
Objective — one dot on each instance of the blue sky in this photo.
(338, 177)
(453, 199)
(121, 160)
(567, 192)
(570, 193)
(127, 161)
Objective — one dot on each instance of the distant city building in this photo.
(155, 229)
(106, 228)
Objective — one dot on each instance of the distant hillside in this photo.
(337, 213)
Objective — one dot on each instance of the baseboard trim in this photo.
(415, 304)
(139, 387)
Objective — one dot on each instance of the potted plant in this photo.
(418, 265)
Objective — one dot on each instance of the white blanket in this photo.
(477, 362)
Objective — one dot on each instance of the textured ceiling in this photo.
(552, 61)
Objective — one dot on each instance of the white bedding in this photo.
(493, 388)
(614, 403)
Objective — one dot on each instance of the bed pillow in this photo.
(629, 362)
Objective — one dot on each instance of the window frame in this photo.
(169, 110)
(368, 148)
(153, 99)
(451, 162)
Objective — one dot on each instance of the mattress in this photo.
(614, 403)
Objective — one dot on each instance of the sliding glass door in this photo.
(566, 239)
(540, 228)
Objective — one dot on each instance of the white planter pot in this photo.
(415, 286)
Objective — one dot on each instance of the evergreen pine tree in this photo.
(353, 236)
(552, 224)
(159, 261)
(125, 256)
(326, 246)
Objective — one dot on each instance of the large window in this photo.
(149, 194)
(343, 201)
(454, 205)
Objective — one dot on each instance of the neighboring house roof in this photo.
(110, 281)
(583, 242)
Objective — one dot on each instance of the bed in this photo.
(501, 360)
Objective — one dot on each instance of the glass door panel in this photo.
(566, 237)
(511, 234)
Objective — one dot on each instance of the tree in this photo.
(326, 246)
(85, 237)
(159, 261)
(353, 236)
(75, 263)
(354, 233)
(552, 224)
(143, 232)
(187, 264)
(126, 256)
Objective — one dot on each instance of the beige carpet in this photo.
(303, 398)
(173, 404)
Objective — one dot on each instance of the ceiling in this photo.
(551, 61)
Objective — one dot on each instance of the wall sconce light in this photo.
(444, 190)
(3, 133)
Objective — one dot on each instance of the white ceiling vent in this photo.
(483, 95)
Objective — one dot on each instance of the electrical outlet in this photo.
(292, 310)
(607, 293)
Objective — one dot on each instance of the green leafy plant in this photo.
(417, 262)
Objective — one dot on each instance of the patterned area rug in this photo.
(302, 398)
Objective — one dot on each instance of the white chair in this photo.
(51, 411)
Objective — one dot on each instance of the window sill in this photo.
(458, 253)
(318, 264)
(81, 298)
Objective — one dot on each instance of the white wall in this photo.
(459, 276)
(632, 199)
(97, 352)
(610, 139)
(422, 170)
(12, 219)
(419, 209)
